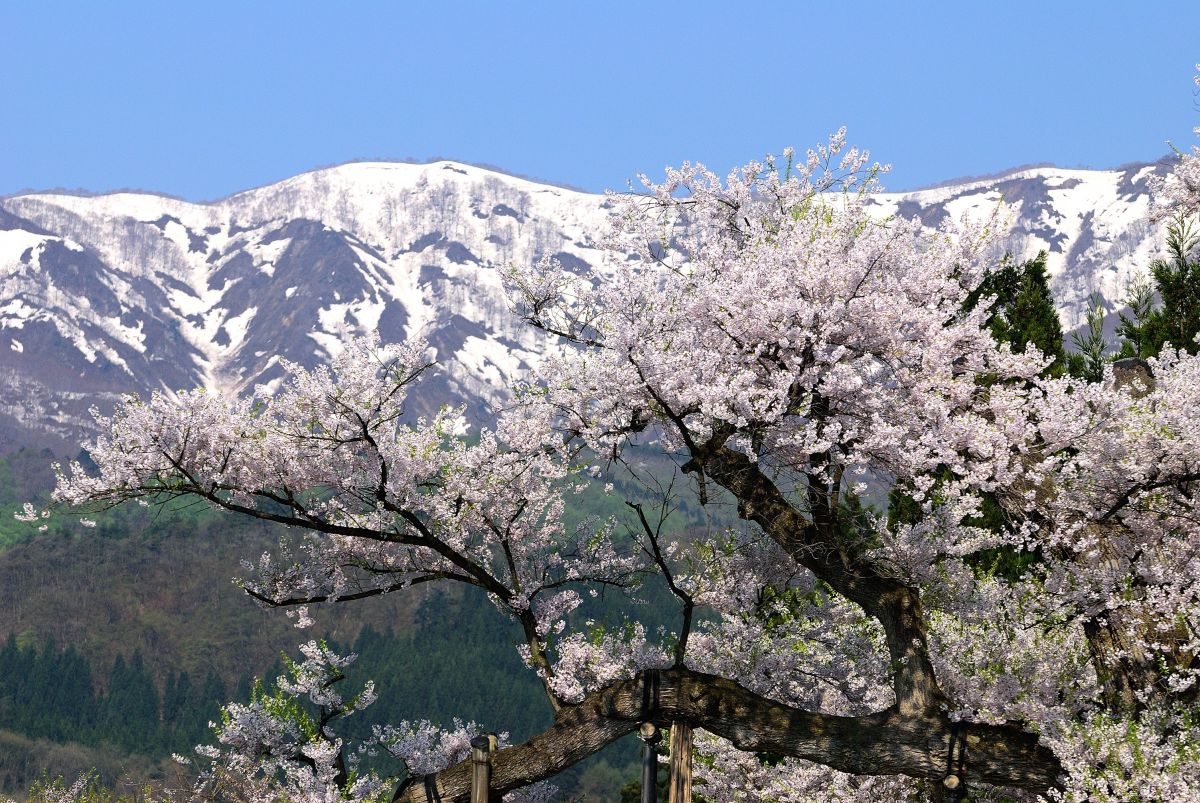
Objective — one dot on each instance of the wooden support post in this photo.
(681, 763)
(481, 768)
(650, 738)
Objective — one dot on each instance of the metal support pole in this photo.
(681, 763)
(481, 767)
(650, 738)
(955, 781)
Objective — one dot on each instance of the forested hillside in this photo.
(119, 643)
(137, 711)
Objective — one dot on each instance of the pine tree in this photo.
(1175, 319)
(177, 698)
(130, 716)
(1023, 312)
(69, 700)
(1091, 348)
(205, 707)
(1134, 328)
(10, 658)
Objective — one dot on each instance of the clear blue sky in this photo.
(220, 96)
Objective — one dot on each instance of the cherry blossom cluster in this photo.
(58, 791)
(1178, 193)
(586, 662)
(1120, 535)
(724, 774)
(778, 315)
(426, 748)
(384, 501)
(1151, 756)
(804, 648)
(276, 748)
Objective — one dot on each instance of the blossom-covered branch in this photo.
(386, 502)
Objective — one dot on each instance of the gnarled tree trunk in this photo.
(883, 743)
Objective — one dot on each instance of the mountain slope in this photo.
(137, 292)
(1091, 223)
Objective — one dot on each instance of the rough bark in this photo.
(884, 743)
(818, 546)
(1120, 663)
(1132, 675)
(680, 789)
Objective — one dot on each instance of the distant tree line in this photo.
(52, 693)
(55, 693)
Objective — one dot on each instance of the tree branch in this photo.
(895, 605)
(884, 743)
(689, 604)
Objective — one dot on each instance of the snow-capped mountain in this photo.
(103, 295)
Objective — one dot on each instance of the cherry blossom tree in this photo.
(1030, 629)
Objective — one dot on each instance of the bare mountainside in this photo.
(103, 295)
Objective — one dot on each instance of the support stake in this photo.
(955, 781)
(681, 763)
(650, 738)
(481, 767)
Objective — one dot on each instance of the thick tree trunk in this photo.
(818, 546)
(885, 743)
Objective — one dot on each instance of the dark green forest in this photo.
(120, 642)
(458, 662)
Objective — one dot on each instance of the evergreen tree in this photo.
(244, 687)
(177, 695)
(131, 707)
(1091, 348)
(1023, 311)
(18, 678)
(68, 703)
(205, 707)
(10, 658)
(178, 712)
(1176, 317)
(1136, 329)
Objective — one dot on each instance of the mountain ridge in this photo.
(116, 292)
(83, 192)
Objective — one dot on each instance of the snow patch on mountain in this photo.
(134, 291)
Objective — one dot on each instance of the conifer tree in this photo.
(1135, 328)
(205, 706)
(131, 707)
(1091, 353)
(1023, 311)
(1175, 319)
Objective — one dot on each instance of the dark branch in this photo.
(884, 743)
(689, 604)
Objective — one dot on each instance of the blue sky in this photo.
(203, 100)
